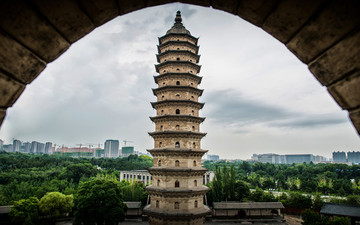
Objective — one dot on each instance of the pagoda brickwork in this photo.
(177, 193)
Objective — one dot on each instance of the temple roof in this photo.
(178, 27)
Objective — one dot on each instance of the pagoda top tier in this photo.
(178, 27)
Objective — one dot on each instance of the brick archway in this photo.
(323, 34)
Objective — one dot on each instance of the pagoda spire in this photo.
(178, 18)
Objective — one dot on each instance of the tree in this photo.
(99, 202)
(231, 184)
(76, 171)
(242, 190)
(217, 185)
(56, 204)
(25, 211)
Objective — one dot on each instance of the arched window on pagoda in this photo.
(196, 204)
(177, 127)
(194, 145)
(159, 162)
(192, 97)
(177, 82)
(192, 112)
(195, 183)
(160, 144)
(177, 96)
(178, 59)
(176, 205)
(177, 163)
(193, 128)
(161, 127)
(177, 184)
(194, 163)
(177, 111)
(157, 203)
(162, 97)
(177, 144)
(162, 112)
(158, 183)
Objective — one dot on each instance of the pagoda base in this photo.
(182, 217)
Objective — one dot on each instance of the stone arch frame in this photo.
(322, 34)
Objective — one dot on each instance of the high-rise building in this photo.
(16, 145)
(127, 150)
(37, 147)
(339, 156)
(177, 192)
(111, 148)
(213, 157)
(27, 147)
(1, 144)
(353, 157)
(299, 158)
(48, 148)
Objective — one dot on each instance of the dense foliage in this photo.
(55, 204)
(25, 175)
(334, 179)
(99, 201)
(312, 218)
(25, 211)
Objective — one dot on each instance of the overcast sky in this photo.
(259, 98)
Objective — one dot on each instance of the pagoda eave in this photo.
(176, 151)
(178, 134)
(177, 117)
(200, 105)
(178, 87)
(176, 192)
(158, 56)
(196, 77)
(172, 34)
(179, 215)
(158, 66)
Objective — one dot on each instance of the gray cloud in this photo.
(233, 108)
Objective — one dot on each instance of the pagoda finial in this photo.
(178, 17)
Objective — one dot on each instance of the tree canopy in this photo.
(99, 202)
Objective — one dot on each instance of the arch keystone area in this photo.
(323, 34)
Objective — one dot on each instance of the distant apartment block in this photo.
(127, 150)
(26, 147)
(16, 145)
(353, 157)
(48, 148)
(111, 148)
(299, 158)
(213, 157)
(287, 159)
(339, 156)
(1, 144)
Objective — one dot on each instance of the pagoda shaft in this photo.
(177, 193)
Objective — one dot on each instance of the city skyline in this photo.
(112, 69)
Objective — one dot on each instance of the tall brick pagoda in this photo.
(177, 192)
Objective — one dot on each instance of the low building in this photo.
(247, 209)
(145, 177)
(351, 211)
(134, 209)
